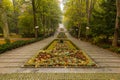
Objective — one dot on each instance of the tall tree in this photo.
(117, 25)
(34, 16)
(102, 22)
(75, 15)
(15, 15)
(4, 22)
(89, 9)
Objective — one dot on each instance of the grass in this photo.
(13, 37)
(60, 76)
(13, 40)
(3, 42)
(52, 45)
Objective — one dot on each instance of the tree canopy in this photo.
(20, 19)
(91, 18)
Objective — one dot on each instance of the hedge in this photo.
(19, 43)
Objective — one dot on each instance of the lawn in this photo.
(13, 40)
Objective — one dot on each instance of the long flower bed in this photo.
(61, 35)
(60, 53)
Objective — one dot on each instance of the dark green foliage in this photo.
(104, 46)
(115, 49)
(6, 47)
(61, 35)
(1, 35)
(103, 21)
(61, 41)
(28, 35)
(16, 44)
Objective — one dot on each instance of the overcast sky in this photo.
(61, 4)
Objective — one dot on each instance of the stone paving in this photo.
(13, 61)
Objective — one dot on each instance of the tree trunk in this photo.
(34, 16)
(87, 11)
(5, 24)
(15, 16)
(79, 31)
(115, 39)
(89, 8)
(43, 22)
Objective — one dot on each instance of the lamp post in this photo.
(36, 31)
(87, 29)
(77, 33)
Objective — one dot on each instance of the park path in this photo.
(13, 61)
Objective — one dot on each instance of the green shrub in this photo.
(1, 35)
(28, 35)
(105, 46)
(61, 35)
(96, 40)
(16, 44)
(6, 47)
(118, 50)
(115, 49)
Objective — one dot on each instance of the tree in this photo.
(49, 14)
(4, 20)
(34, 17)
(75, 15)
(89, 8)
(103, 19)
(15, 17)
(46, 14)
(117, 25)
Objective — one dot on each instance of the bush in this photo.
(115, 49)
(97, 40)
(16, 44)
(61, 35)
(105, 46)
(1, 35)
(6, 47)
(30, 35)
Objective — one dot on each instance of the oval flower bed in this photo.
(60, 54)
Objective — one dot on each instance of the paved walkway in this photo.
(12, 61)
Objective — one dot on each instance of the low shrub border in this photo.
(19, 43)
(105, 46)
(102, 45)
(16, 44)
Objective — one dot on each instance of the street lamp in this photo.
(77, 33)
(36, 31)
(76, 29)
(87, 29)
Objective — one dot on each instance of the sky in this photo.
(61, 4)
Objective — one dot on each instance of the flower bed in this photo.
(60, 54)
(64, 45)
(61, 35)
